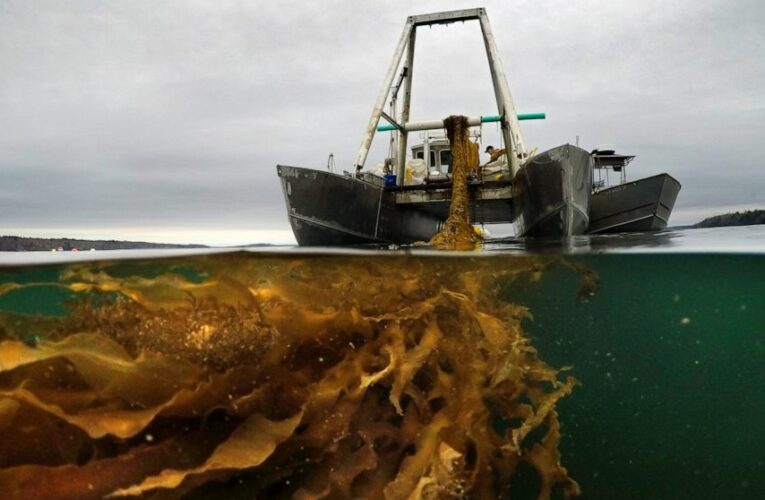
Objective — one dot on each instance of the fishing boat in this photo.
(540, 193)
(620, 206)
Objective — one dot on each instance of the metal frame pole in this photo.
(473, 121)
(403, 134)
(383, 95)
(393, 110)
(511, 130)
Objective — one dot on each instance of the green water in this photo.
(669, 351)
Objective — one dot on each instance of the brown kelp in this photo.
(316, 377)
(458, 233)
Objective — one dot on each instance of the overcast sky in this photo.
(165, 120)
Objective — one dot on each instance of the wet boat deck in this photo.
(491, 201)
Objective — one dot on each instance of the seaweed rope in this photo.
(458, 233)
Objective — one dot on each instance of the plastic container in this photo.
(390, 180)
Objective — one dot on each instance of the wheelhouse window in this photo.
(446, 158)
(432, 159)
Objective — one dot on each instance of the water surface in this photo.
(637, 361)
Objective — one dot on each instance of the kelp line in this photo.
(458, 233)
(324, 377)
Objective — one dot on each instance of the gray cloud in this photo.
(176, 113)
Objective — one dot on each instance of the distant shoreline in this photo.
(25, 244)
(748, 218)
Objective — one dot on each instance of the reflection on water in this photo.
(742, 239)
(588, 243)
(279, 376)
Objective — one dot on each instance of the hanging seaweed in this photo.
(311, 378)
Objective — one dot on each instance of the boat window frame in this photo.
(441, 158)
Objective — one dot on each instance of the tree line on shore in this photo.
(748, 218)
(24, 244)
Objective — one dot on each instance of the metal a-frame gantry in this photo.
(511, 131)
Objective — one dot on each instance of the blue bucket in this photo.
(390, 180)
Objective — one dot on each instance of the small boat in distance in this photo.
(628, 206)
(544, 195)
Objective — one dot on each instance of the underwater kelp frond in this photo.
(311, 378)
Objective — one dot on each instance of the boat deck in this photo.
(492, 201)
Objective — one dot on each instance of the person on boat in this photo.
(494, 153)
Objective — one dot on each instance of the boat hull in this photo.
(641, 205)
(554, 190)
(327, 209)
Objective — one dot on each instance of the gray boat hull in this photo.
(554, 190)
(327, 209)
(641, 205)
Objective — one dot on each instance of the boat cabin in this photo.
(605, 161)
(436, 152)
